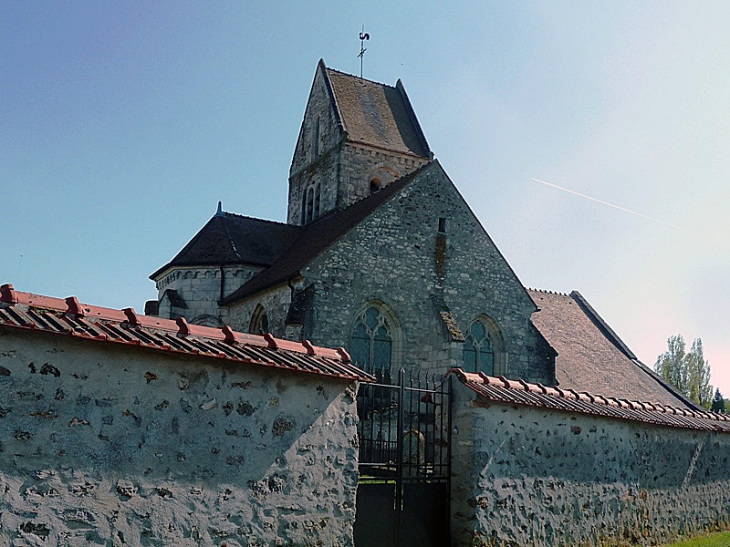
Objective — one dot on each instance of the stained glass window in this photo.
(478, 351)
(371, 344)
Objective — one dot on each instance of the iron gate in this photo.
(403, 494)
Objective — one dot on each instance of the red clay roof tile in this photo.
(500, 390)
(19, 310)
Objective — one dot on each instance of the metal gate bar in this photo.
(405, 463)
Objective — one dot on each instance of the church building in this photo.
(382, 256)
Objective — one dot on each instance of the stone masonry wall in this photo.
(275, 302)
(529, 476)
(315, 162)
(200, 288)
(391, 258)
(111, 445)
(358, 164)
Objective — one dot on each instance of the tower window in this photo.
(311, 203)
(315, 212)
(375, 185)
(442, 225)
(315, 140)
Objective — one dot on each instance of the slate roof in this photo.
(317, 236)
(520, 392)
(591, 357)
(68, 317)
(377, 114)
(228, 238)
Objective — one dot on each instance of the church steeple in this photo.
(356, 137)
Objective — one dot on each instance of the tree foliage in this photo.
(718, 402)
(688, 371)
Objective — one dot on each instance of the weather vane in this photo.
(363, 36)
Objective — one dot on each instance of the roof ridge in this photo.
(259, 219)
(503, 383)
(329, 69)
(70, 317)
(547, 291)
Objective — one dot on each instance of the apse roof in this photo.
(228, 238)
(591, 357)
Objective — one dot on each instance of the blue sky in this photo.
(123, 123)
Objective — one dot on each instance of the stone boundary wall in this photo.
(526, 475)
(110, 445)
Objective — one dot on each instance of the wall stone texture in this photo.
(200, 288)
(343, 169)
(390, 258)
(107, 445)
(275, 301)
(316, 162)
(529, 476)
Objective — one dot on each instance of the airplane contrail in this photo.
(607, 204)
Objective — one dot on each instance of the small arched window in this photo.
(371, 344)
(483, 347)
(375, 185)
(311, 200)
(315, 211)
(206, 320)
(259, 321)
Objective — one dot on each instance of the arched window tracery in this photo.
(483, 347)
(372, 342)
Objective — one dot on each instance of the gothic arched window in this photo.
(259, 321)
(479, 346)
(371, 344)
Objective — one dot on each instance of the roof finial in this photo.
(219, 212)
(363, 36)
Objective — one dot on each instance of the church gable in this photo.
(313, 175)
(423, 266)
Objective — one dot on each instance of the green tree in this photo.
(718, 402)
(689, 372)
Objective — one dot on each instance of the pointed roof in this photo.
(319, 235)
(376, 114)
(591, 356)
(228, 238)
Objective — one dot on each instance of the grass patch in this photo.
(719, 539)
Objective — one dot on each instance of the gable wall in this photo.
(306, 168)
(390, 257)
(113, 445)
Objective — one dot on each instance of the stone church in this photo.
(381, 255)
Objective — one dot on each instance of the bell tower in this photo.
(357, 136)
